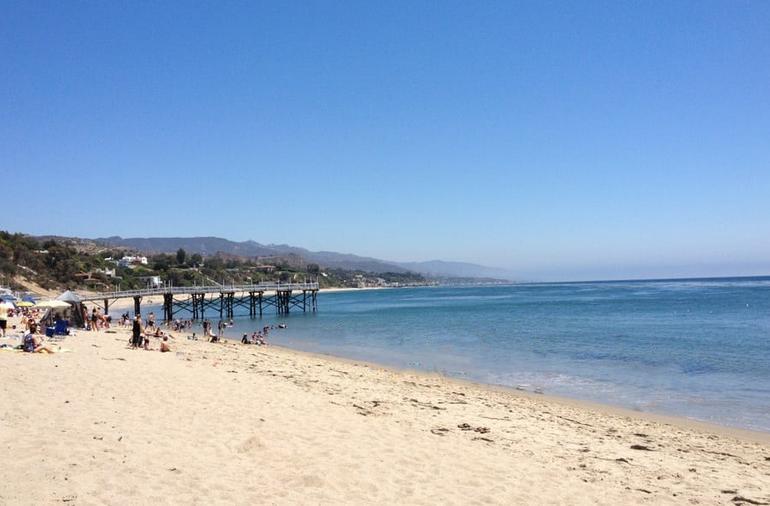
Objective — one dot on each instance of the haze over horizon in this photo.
(559, 141)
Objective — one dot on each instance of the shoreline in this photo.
(682, 422)
(284, 426)
(758, 435)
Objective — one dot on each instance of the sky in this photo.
(559, 140)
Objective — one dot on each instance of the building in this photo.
(129, 261)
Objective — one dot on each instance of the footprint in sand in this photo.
(252, 444)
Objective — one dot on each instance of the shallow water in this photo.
(693, 348)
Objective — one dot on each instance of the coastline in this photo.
(284, 426)
(681, 422)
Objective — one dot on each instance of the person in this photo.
(220, 328)
(136, 332)
(94, 319)
(34, 344)
(245, 339)
(3, 318)
(164, 346)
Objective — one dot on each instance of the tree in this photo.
(161, 262)
(196, 260)
(181, 255)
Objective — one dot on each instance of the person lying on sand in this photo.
(164, 346)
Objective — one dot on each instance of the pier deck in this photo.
(224, 298)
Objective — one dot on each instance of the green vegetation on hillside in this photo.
(73, 264)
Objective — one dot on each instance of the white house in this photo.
(128, 261)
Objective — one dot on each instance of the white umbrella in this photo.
(54, 304)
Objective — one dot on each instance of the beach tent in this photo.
(70, 296)
(76, 306)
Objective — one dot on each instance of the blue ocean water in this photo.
(693, 348)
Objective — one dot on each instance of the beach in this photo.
(230, 423)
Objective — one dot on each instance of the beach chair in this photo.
(60, 330)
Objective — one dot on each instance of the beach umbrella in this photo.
(6, 305)
(53, 304)
(25, 303)
(28, 298)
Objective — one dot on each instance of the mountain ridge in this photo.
(210, 245)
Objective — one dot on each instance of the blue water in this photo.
(693, 348)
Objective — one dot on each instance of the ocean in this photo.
(695, 348)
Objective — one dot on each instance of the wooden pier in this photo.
(220, 299)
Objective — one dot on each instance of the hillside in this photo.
(328, 259)
(56, 263)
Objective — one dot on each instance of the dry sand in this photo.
(230, 423)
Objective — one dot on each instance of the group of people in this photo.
(256, 338)
(141, 330)
(28, 317)
(97, 320)
(259, 337)
(179, 325)
(141, 333)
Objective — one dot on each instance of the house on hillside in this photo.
(151, 281)
(131, 261)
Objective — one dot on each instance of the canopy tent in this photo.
(70, 296)
(76, 304)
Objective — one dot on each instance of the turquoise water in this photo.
(694, 348)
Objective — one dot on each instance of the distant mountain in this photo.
(442, 269)
(214, 245)
(328, 259)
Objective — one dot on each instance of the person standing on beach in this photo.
(136, 332)
(3, 318)
(94, 319)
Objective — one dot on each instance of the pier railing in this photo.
(189, 290)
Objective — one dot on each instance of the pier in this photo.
(221, 299)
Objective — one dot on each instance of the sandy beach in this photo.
(231, 423)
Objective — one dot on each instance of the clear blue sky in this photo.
(561, 140)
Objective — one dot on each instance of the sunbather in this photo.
(34, 343)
